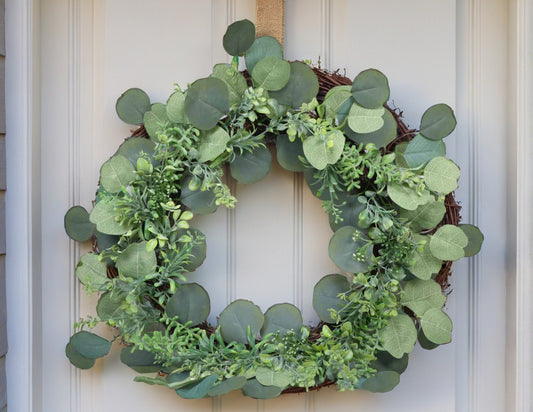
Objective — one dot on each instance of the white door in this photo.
(273, 247)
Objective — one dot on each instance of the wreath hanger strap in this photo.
(270, 18)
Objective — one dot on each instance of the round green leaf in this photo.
(281, 318)
(270, 377)
(386, 362)
(321, 150)
(424, 342)
(206, 102)
(349, 208)
(105, 215)
(425, 216)
(79, 361)
(132, 148)
(437, 122)
(381, 382)
(399, 336)
(105, 241)
(109, 305)
(420, 150)
(227, 385)
(424, 264)
(406, 197)
(371, 89)
(271, 73)
(197, 390)
(235, 320)
(239, 37)
(381, 137)
(178, 380)
(254, 389)
(91, 271)
(250, 167)
(441, 175)
(77, 224)
(338, 102)
(89, 345)
(288, 153)
(201, 202)
(262, 47)
(234, 80)
(176, 108)
(141, 361)
(326, 295)
(117, 173)
(475, 239)
(190, 303)
(422, 295)
(315, 184)
(132, 105)
(198, 252)
(437, 326)
(155, 120)
(137, 262)
(212, 144)
(348, 251)
(301, 88)
(448, 243)
(363, 120)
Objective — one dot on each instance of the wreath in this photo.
(387, 191)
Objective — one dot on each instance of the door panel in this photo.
(273, 247)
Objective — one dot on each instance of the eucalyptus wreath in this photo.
(384, 193)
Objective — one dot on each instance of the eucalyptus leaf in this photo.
(176, 108)
(349, 208)
(91, 271)
(426, 216)
(105, 215)
(190, 303)
(206, 102)
(254, 389)
(155, 119)
(406, 197)
(422, 295)
(133, 147)
(441, 175)
(200, 202)
(437, 122)
(348, 251)
(288, 153)
(79, 361)
(227, 385)
(399, 336)
(386, 362)
(424, 342)
(271, 73)
(198, 252)
(117, 173)
(141, 361)
(381, 137)
(237, 317)
(109, 305)
(424, 264)
(77, 224)
(281, 318)
(301, 88)
(381, 382)
(132, 105)
(89, 345)
(321, 150)
(239, 37)
(370, 89)
(250, 167)
(136, 262)
(420, 150)
(437, 326)
(326, 295)
(212, 144)
(314, 183)
(363, 120)
(269, 377)
(197, 390)
(448, 243)
(475, 239)
(234, 80)
(262, 47)
(106, 241)
(338, 101)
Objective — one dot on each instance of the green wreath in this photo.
(382, 186)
